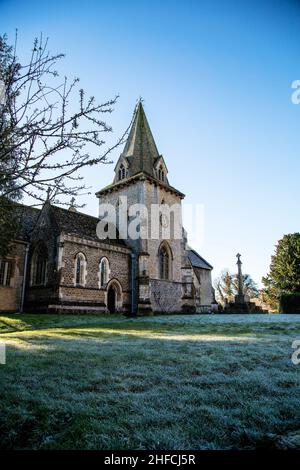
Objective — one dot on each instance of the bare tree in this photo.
(223, 286)
(48, 128)
(227, 287)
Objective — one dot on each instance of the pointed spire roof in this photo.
(140, 158)
(140, 148)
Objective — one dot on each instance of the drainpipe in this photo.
(24, 278)
(132, 283)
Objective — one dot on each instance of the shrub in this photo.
(290, 303)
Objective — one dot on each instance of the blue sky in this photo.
(216, 79)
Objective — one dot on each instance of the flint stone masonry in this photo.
(60, 292)
(165, 296)
(119, 260)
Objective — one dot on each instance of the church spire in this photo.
(140, 148)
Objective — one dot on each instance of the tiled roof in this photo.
(140, 147)
(197, 261)
(140, 156)
(26, 218)
(67, 221)
(79, 224)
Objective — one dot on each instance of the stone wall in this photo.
(155, 195)
(39, 297)
(135, 195)
(60, 292)
(10, 296)
(118, 257)
(165, 296)
(91, 293)
(45, 233)
(204, 291)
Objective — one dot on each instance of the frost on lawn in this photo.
(2, 353)
(167, 382)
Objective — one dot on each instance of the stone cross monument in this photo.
(240, 275)
(241, 298)
(242, 303)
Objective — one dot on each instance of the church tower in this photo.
(162, 275)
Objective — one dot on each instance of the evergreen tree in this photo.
(284, 274)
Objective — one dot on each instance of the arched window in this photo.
(39, 265)
(41, 269)
(165, 262)
(80, 269)
(161, 173)
(122, 172)
(6, 272)
(103, 272)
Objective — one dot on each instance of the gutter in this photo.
(24, 278)
(133, 284)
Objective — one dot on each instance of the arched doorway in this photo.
(114, 296)
(111, 299)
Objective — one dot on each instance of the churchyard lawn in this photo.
(165, 382)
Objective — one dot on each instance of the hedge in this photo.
(290, 303)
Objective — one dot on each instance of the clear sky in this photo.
(216, 79)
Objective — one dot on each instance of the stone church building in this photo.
(58, 263)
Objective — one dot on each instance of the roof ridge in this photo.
(18, 204)
(72, 212)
